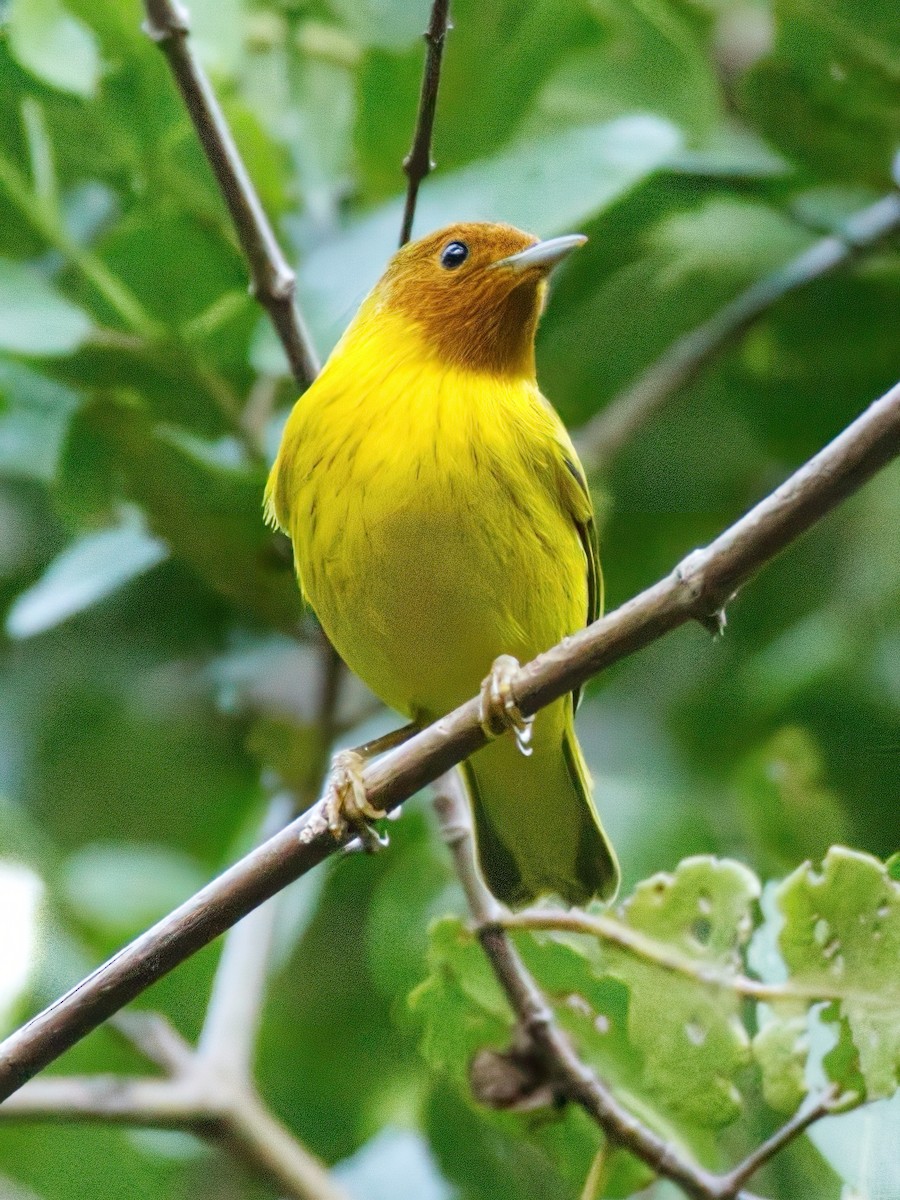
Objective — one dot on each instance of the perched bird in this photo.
(441, 523)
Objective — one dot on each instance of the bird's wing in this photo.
(576, 499)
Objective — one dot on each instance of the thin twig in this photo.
(789, 1131)
(697, 589)
(570, 1076)
(659, 954)
(418, 163)
(612, 428)
(273, 282)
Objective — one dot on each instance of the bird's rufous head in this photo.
(474, 292)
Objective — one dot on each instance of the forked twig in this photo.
(571, 1077)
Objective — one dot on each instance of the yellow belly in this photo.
(428, 535)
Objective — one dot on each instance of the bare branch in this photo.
(570, 1077)
(115, 1099)
(273, 282)
(253, 1134)
(696, 590)
(610, 430)
(199, 1094)
(153, 1035)
(417, 163)
(195, 1098)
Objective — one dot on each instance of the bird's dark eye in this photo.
(454, 254)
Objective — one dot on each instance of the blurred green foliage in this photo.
(150, 676)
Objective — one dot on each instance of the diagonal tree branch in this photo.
(697, 589)
(611, 429)
(417, 163)
(273, 282)
(569, 1076)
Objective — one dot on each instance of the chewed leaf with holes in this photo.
(468, 1032)
(780, 1049)
(841, 935)
(459, 1006)
(690, 1033)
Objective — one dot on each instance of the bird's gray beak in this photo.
(543, 255)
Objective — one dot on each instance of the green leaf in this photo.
(780, 1048)
(460, 1006)
(827, 93)
(86, 572)
(649, 59)
(789, 812)
(205, 501)
(120, 888)
(52, 44)
(34, 422)
(731, 151)
(34, 317)
(690, 1034)
(841, 935)
(391, 24)
(549, 185)
(461, 1010)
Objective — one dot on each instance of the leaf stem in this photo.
(624, 937)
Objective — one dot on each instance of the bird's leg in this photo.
(346, 802)
(498, 709)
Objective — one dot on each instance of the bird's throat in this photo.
(490, 334)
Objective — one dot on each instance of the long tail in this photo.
(536, 827)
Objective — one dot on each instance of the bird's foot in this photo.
(346, 802)
(498, 709)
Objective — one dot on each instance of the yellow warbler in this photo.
(441, 523)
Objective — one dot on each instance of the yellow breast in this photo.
(424, 504)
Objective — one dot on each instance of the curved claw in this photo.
(346, 802)
(498, 709)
